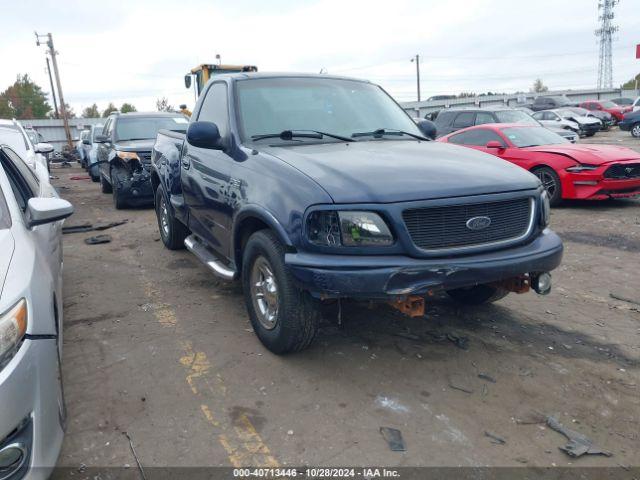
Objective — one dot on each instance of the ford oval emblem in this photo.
(478, 223)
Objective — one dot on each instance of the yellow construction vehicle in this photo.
(202, 73)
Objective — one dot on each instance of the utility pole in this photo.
(416, 59)
(63, 107)
(53, 90)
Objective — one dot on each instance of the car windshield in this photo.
(564, 113)
(142, 128)
(515, 116)
(14, 139)
(580, 111)
(336, 106)
(608, 104)
(532, 136)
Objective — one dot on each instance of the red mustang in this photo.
(567, 171)
(606, 106)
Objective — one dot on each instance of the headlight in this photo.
(582, 168)
(545, 209)
(13, 326)
(349, 229)
(127, 156)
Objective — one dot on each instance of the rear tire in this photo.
(478, 294)
(172, 231)
(105, 186)
(551, 183)
(635, 130)
(285, 318)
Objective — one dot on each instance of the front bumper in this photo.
(589, 129)
(30, 398)
(594, 186)
(136, 187)
(381, 277)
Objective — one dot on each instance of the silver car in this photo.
(90, 151)
(32, 413)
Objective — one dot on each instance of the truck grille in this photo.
(145, 158)
(438, 228)
(623, 171)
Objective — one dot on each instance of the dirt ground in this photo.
(156, 347)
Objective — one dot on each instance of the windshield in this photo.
(14, 139)
(566, 113)
(608, 104)
(142, 128)
(515, 116)
(532, 136)
(339, 107)
(580, 111)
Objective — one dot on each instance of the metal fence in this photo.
(52, 130)
(420, 109)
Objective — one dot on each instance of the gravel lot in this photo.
(156, 347)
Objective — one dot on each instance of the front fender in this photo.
(260, 213)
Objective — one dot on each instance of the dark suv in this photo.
(449, 121)
(124, 153)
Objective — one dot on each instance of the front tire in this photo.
(105, 186)
(477, 295)
(551, 183)
(285, 318)
(172, 231)
(635, 130)
(118, 197)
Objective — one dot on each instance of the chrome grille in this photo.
(438, 228)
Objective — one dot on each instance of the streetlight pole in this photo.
(416, 59)
(63, 107)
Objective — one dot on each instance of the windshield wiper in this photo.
(290, 134)
(387, 131)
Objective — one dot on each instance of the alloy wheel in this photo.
(635, 131)
(264, 293)
(548, 182)
(164, 217)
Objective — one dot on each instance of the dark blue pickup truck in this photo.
(311, 188)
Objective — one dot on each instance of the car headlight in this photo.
(127, 156)
(581, 168)
(13, 327)
(545, 209)
(349, 228)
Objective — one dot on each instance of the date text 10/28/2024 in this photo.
(364, 473)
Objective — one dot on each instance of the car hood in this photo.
(583, 120)
(7, 245)
(589, 154)
(135, 145)
(386, 171)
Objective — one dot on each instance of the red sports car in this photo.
(606, 106)
(567, 171)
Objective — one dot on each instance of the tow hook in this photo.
(413, 305)
(541, 283)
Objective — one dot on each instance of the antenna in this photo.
(605, 35)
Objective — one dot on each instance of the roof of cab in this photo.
(256, 75)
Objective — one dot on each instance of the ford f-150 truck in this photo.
(311, 188)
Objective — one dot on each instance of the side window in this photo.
(538, 116)
(464, 119)
(444, 118)
(484, 117)
(477, 137)
(22, 179)
(214, 108)
(105, 129)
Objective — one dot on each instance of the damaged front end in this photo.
(131, 177)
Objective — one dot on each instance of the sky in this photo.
(139, 50)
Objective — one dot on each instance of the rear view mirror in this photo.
(47, 210)
(204, 135)
(43, 148)
(427, 128)
(494, 144)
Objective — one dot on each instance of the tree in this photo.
(128, 107)
(109, 110)
(631, 84)
(162, 104)
(70, 112)
(539, 87)
(466, 95)
(91, 112)
(24, 100)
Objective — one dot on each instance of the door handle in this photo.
(186, 161)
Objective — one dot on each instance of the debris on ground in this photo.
(458, 340)
(98, 239)
(407, 335)
(487, 377)
(530, 417)
(135, 456)
(578, 444)
(80, 177)
(624, 298)
(88, 227)
(495, 439)
(391, 404)
(394, 439)
(457, 386)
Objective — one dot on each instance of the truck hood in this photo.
(589, 154)
(7, 245)
(135, 145)
(386, 171)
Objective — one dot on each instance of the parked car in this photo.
(549, 102)
(623, 101)
(33, 415)
(606, 106)
(567, 119)
(313, 187)
(441, 97)
(90, 151)
(586, 172)
(631, 123)
(79, 148)
(13, 135)
(605, 117)
(124, 153)
(456, 119)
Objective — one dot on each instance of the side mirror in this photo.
(204, 135)
(86, 142)
(494, 144)
(47, 210)
(187, 80)
(427, 128)
(43, 148)
(101, 139)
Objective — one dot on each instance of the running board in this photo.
(209, 259)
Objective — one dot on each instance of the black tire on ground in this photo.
(591, 134)
(478, 294)
(173, 232)
(297, 314)
(551, 182)
(95, 178)
(635, 130)
(105, 186)
(118, 198)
